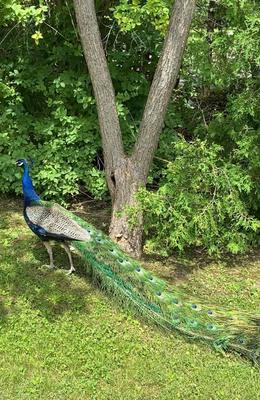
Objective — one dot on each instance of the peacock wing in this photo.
(53, 219)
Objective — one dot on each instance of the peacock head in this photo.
(21, 162)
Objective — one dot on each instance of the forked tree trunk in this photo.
(128, 180)
(125, 174)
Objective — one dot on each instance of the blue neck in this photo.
(28, 189)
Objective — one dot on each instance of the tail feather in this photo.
(166, 305)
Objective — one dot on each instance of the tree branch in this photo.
(163, 83)
(102, 84)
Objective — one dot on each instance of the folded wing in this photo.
(56, 223)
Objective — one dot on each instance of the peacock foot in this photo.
(49, 266)
(71, 270)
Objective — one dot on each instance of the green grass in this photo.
(62, 338)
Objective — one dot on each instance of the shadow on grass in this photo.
(179, 267)
(3, 311)
(24, 279)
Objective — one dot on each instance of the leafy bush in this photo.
(201, 202)
(47, 109)
(37, 121)
(48, 112)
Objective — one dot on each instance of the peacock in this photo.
(48, 221)
(132, 284)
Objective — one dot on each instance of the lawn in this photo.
(62, 338)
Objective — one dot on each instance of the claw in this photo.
(70, 271)
(67, 249)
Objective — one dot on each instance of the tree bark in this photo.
(125, 175)
(103, 88)
(164, 80)
(128, 180)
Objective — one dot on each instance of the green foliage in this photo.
(48, 113)
(216, 101)
(201, 201)
(132, 14)
(47, 108)
(63, 143)
(22, 12)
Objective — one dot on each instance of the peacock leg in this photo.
(49, 249)
(67, 249)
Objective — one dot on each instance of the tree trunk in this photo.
(125, 174)
(128, 180)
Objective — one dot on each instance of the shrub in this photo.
(201, 201)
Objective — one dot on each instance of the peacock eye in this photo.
(123, 261)
(194, 306)
(138, 269)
